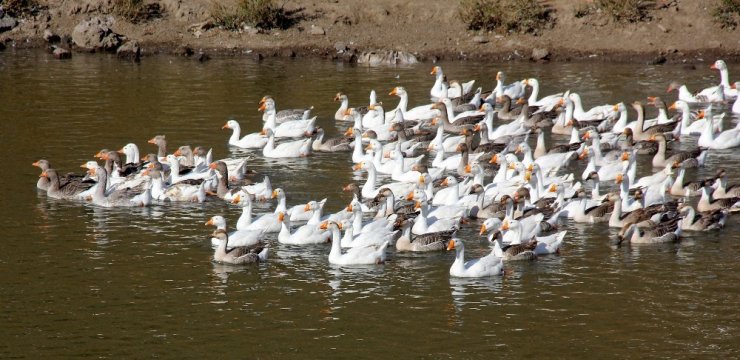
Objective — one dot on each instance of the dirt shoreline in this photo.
(342, 30)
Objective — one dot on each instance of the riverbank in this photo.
(347, 30)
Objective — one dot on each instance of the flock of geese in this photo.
(430, 168)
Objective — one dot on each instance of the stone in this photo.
(50, 37)
(387, 57)
(340, 47)
(95, 35)
(480, 39)
(540, 54)
(129, 51)
(317, 30)
(251, 30)
(662, 28)
(7, 22)
(61, 53)
(714, 44)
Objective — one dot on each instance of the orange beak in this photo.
(145, 172)
(445, 182)
(553, 188)
(236, 199)
(84, 166)
(651, 99)
(700, 115)
(451, 245)
(476, 127)
(209, 222)
(349, 132)
(99, 155)
(587, 135)
(350, 208)
(357, 167)
(274, 194)
(468, 168)
(625, 156)
(505, 226)
(262, 101)
(434, 71)
(120, 151)
(494, 159)
(324, 225)
(394, 91)
(307, 207)
(615, 108)
(281, 216)
(483, 229)
(212, 166)
(520, 101)
(226, 126)
(672, 107)
(35, 163)
(262, 107)
(417, 205)
(713, 67)
(44, 174)
(410, 196)
(619, 178)
(337, 97)
(151, 141)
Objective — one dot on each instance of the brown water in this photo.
(81, 281)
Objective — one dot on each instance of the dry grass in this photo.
(727, 13)
(263, 14)
(136, 10)
(622, 11)
(19, 8)
(525, 16)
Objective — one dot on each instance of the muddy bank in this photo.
(384, 31)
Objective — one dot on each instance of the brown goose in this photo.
(67, 190)
(44, 182)
(725, 190)
(707, 203)
(161, 143)
(693, 158)
(436, 241)
(336, 144)
(507, 111)
(640, 133)
(240, 255)
(644, 147)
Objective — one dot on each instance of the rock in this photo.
(95, 35)
(130, 51)
(480, 39)
(7, 22)
(251, 30)
(662, 28)
(202, 57)
(317, 30)
(185, 51)
(714, 44)
(387, 57)
(340, 47)
(61, 53)
(658, 60)
(540, 54)
(51, 37)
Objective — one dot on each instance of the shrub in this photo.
(726, 13)
(618, 10)
(524, 16)
(135, 10)
(258, 13)
(18, 8)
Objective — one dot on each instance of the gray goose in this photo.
(436, 241)
(44, 182)
(707, 203)
(67, 190)
(701, 221)
(693, 158)
(724, 190)
(240, 255)
(336, 144)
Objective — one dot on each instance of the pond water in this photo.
(82, 281)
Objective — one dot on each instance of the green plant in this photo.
(136, 10)
(726, 13)
(524, 16)
(258, 13)
(19, 7)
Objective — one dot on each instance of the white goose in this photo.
(728, 93)
(695, 127)
(366, 255)
(249, 141)
(489, 265)
(291, 149)
(725, 140)
(310, 233)
(545, 244)
(419, 113)
(293, 128)
(236, 238)
(437, 92)
(370, 189)
(595, 113)
(547, 103)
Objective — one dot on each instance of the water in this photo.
(80, 281)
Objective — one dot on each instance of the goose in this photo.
(652, 235)
(725, 140)
(641, 133)
(563, 124)
(370, 190)
(283, 115)
(238, 238)
(292, 129)
(443, 118)
(622, 121)
(444, 143)
(711, 95)
(376, 235)
(423, 112)
(337, 144)
(70, 189)
(238, 255)
(118, 198)
(701, 221)
(438, 91)
(424, 223)
(724, 190)
(44, 181)
(249, 141)
(656, 178)
(344, 105)
(549, 162)
(489, 265)
(541, 150)
(514, 90)
(540, 245)
(176, 176)
(267, 223)
(547, 103)
(689, 127)
(595, 113)
(297, 148)
(177, 192)
(724, 85)
(423, 243)
(367, 255)
(644, 147)
(692, 158)
(684, 188)
(453, 197)
(375, 116)
(161, 142)
(506, 112)
(707, 203)
(310, 233)
(736, 105)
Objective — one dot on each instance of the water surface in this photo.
(81, 281)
